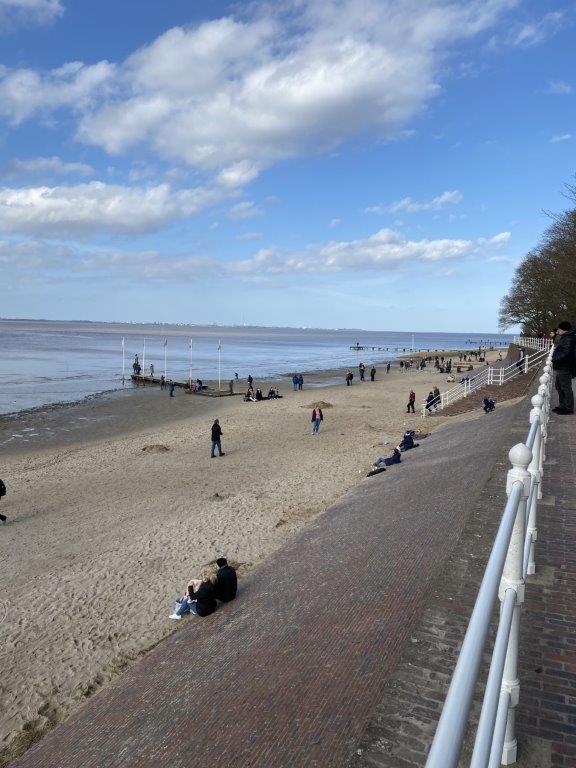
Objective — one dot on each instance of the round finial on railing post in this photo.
(537, 401)
(547, 368)
(544, 379)
(520, 455)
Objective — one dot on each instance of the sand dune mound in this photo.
(157, 448)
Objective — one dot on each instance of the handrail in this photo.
(488, 376)
(511, 558)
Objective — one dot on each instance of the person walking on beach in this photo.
(295, 382)
(564, 364)
(372, 373)
(151, 369)
(162, 382)
(361, 370)
(349, 377)
(250, 379)
(387, 367)
(216, 435)
(317, 417)
(171, 389)
(2, 493)
(300, 382)
(401, 366)
(411, 401)
(436, 397)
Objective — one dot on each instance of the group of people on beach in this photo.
(217, 582)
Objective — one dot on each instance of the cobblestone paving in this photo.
(287, 676)
(400, 731)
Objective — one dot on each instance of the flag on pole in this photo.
(165, 343)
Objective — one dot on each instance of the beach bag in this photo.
(2, 488)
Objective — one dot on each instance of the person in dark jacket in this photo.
(226, 581)
(372, 373)
(216, 435)
(317, 417)
(201, 597)
(411, 401)
(564, 364)
(2, 493)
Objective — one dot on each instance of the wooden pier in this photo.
(141, 379)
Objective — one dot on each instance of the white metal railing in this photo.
(532, 342)
(486, 377)
(511, 559)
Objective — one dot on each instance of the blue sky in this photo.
(331, 163)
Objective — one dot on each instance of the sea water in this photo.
(44, 362)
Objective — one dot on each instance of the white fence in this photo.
(532, 343)
(490, 376)
(511, 559)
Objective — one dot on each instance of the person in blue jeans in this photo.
(201, 597)
(216, 435)
(295, 382)
(317, 417)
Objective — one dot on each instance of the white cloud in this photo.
(535, 32)
(408, 205)
(24, 92)
(384, 250)
(559, 88)
(235, 95)
(96, 207)
(245, 210)
(334, 223)
(42, 165)
(561, 137)
(14, 12)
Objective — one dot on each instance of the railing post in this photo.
(526, 365)
(513, 578)
(534, 470)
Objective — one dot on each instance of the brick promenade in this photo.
(402, 725)
(288, 675)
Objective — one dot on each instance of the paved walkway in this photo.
(402, 725)
(547, 709)
(288, 675)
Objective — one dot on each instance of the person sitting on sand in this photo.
(407, 442)
(249, 396)
(388, 461)
(226, 581)
(259, 395)
(489, 404)
(201, 597)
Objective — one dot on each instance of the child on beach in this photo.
(317, 417)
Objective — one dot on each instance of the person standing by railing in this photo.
(564, 364)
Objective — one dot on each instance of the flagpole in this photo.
(165, 359)
(144, 362)
(190, 372)
(123, 360)
(219, 362)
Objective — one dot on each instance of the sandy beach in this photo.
(102, 535)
